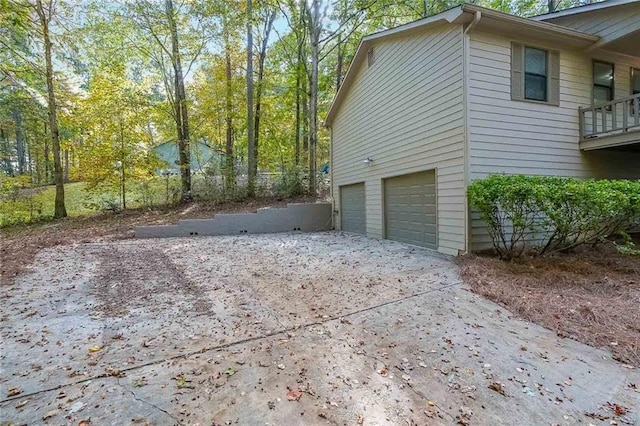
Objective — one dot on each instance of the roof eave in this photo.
(582, 9)
(531, 24)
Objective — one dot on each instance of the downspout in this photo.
(333, 203)
(466, 111)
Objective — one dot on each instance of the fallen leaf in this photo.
(13, 391)
(230, 371)
(50, 414)
(383, 372)
(294, 395)
(498, 387)
(22, 404)
(596, 416)
(86, 422)
(618, 410)
(114, 372)
(95, 348)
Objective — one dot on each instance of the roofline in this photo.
(448, 16)
(583, 9)
(454, 15)
(527, 22)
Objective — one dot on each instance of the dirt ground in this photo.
(285, 329)
(592, 296)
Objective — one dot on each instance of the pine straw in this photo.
(592, 296)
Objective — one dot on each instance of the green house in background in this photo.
(203, 158)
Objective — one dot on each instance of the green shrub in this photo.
(550, 214)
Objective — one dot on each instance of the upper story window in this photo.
(603, 82)
(535, 74)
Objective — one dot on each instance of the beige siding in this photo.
(609, 23)
(515, 137)
(406, 113)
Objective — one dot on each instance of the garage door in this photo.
(410, 209)
(352, 212)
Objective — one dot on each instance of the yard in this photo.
(323, 328)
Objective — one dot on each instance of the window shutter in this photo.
(517, 71)
(554, 78)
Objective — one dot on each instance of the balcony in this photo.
(615, 124)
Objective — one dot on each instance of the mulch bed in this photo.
(592, 296)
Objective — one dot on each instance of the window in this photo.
(602, 82)
(635, 81)
(535, 74)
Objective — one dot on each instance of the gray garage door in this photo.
(410, 209)
(352, 211)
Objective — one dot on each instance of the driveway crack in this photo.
(237, 342)
(148, 403)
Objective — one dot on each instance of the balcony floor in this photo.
(627, 141)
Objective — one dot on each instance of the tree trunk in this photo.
(60, 209)
(6, 152)
(552, 5)
(122, 168)
(229, 172)
(261, 60)
(46, 153)
(298, 106)
(180, 107)
(252, 171)
(20, 150)
(66, 166)
(314, 31)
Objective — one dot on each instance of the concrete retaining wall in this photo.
(295, 217)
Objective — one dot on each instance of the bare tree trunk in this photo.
(181, 112)
(17, 118)
(45, 17)
(229, 172)
(261, 59)
(252, 165)
(552, 5)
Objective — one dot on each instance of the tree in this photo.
(168, 39)
(45, 13)
(267, 25)
(251, 137)
(180, 104)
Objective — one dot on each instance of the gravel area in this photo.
(323, 328)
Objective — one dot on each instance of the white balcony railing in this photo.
(611, 118)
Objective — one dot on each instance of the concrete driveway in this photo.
(284, 330)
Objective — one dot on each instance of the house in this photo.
(203, 158)
(430, 106)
